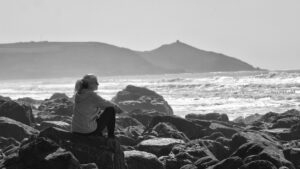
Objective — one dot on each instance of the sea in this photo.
(237, 94)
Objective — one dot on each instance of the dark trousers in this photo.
(107, 119)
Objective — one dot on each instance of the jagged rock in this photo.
(167, 130)
(29, 101)
(229, 163)
(127, 141)
(15, 129)
(247, 120)
(158, 146)
(126, 121)
(133, 131)
(18, 112)
(191, 130)
(214, 136)
(144, 116)
(58, 96)
(293, 155)
(259, 164)
(142, 160)
(209, 116)
(259, 150)
(205, 162)
(133, 97)
(88, 149)
(48, 116)
(58, 124)
(61, 106)
(226, 129)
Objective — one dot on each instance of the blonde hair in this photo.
(84, 82)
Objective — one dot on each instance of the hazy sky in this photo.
(264, 33)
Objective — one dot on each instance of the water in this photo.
(233, 93)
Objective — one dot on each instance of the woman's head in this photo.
(88, 81)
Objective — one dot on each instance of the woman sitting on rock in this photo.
(92, 113)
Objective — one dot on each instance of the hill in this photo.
(73, 59)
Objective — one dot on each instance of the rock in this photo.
(133, 97)
(259, 164)
(158, 146)
(88, 149)
(209, 116)
(61, 106)
(18, 112)
(205, 162)
(42, 153)
(174, 162)
(189, 166)
(126, 121)
(142, 160)
(133, 131)
(253, 151)
(58, 124)
(29, 101)
(214, 136)
(293, 155)
(15, 129)
(59, 96)
(144, 116)
(127, 141)
(226, 129)
(229, 163)
(286, 119)
(247, 120)
(191, 130)
(47, 116)
(167, 130)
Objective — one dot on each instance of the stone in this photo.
(144, 116)
(158, 146)
(126, 121)
(18, 112)
(58, 124)
(88, 149)
(167, 130)
(229, 163)
(142, 160)
(189, 166)
(133, 97)
(259, 164)
(15, 129)
(60, 106)
(58, 96)
(293, 155)
(205, 162)
(89, 166)
(191, 130)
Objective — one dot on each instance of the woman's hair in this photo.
(84, 82)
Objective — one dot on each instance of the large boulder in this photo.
(142, 160)
(126, 121)
(18, 112)
(58, 96)
(167, 130)
(15, 129)
(259, 164)
(144, 116)
(88, 149)
(229, 163)
(42, 153)
(133, 97)
(158, 146)
(209, 116)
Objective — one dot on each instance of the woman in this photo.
(92, 113)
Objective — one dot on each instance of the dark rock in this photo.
(48, 116)
(29, 101)
(133, 131)
(142, 160)
(259, 164)
(127, 141)
(133, 97)
(229, 163)
(15, 129)
(144, 116)
(205, 162)
(227, 130)
(168, 130)
(191, 130)
(214, 136)
(189, 166)
(58, 96)
(158, 146)
(18, 112)
(209, 116)
(174, 163)
(88, 149)
(126, 121)
(293, 155)
(248, 120)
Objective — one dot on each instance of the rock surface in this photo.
(142, 160)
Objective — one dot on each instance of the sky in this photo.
(264, 33)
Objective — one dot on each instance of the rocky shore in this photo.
(35, 135)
